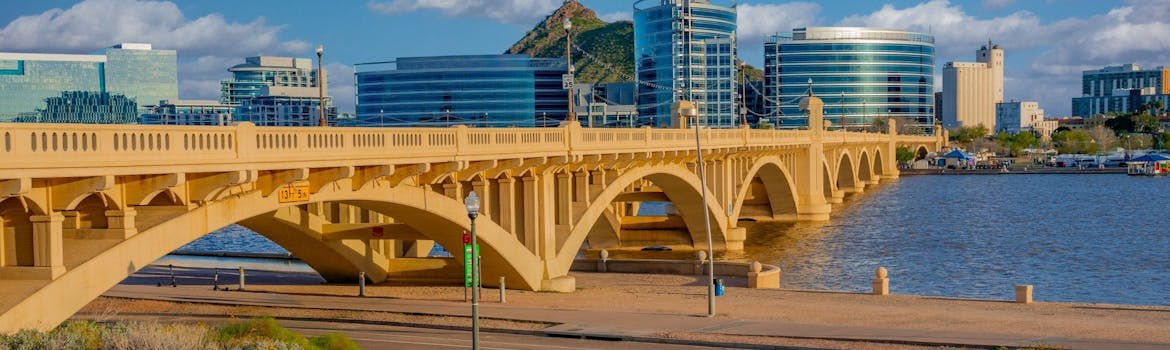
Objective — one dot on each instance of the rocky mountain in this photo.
(609, 47)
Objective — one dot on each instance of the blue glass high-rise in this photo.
(862, 74)
(480, 90)
(685, 50)
(134, 70)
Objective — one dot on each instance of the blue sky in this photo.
(1047, 42)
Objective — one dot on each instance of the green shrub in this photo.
(244, 335)
(26, 339)
(334, 341)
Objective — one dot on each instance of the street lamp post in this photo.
(472, 204)
(569, 58)
(381, 117)
(69, 110)
(321, 87)
(692, 112)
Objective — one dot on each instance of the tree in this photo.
(1104, 138)
(968, 134)
(904, 155)
(1014, 144)
(1074, 141)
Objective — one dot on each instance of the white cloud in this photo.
(341, 87)
(1137, 32)
(617, 16)
(754, 22)
(506, 11)
(957, 35)
(996, 4)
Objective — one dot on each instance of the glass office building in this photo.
(479, 90)
(685, 50)
(135, 71)
(251, 77)
(861, 74)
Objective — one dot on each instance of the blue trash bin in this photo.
(718, 287)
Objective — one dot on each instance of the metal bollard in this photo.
(215, 280)
(362, 284)
(503, 291)
(241, 278)
(172, 267)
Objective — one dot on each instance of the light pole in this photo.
(321, 87)
(472, 204)
(692, 112)
(69, 110)
(569, 58)
(381, 117)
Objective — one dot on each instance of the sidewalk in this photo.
(610, 324)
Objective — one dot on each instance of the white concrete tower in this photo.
(992, 55)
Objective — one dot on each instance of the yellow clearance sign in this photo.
(293, 194)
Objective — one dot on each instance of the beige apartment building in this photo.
(971, 89)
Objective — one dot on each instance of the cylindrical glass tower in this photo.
(685, 49)
(861, 74)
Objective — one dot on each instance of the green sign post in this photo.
(467, 282)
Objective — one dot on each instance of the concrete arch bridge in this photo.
(84, 206)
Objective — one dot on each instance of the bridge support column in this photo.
(507, 199)
(48, 246)
(811, 204)
(890, 153)
(123, 220)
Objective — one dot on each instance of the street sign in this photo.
(566, 81)
(293, 194)
(376, 232)
(467, 282)
(466, 238)
(467, 265)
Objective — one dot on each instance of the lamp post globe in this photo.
(472, 205)
(321, 87)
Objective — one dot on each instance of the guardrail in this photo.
(49, 146)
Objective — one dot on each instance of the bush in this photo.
(249, 335)
(259, 333)
(334, 341)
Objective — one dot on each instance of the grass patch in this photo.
(257, 333)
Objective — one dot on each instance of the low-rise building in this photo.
(1017, 116)
(188, 112)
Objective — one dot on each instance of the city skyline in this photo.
(1048, 45)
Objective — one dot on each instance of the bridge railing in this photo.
(26, 147)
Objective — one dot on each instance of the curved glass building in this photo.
(861, 74)
(481, 90)
(685, 49)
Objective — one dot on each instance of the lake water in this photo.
(1085, 238)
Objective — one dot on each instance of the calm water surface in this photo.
(1091, 238)
(1087, 238)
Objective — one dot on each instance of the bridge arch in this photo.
(846, 174)
(879, 163)
(16, 233)
(439, 217)
(778, 188)
(678, 183)
(865, 173)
